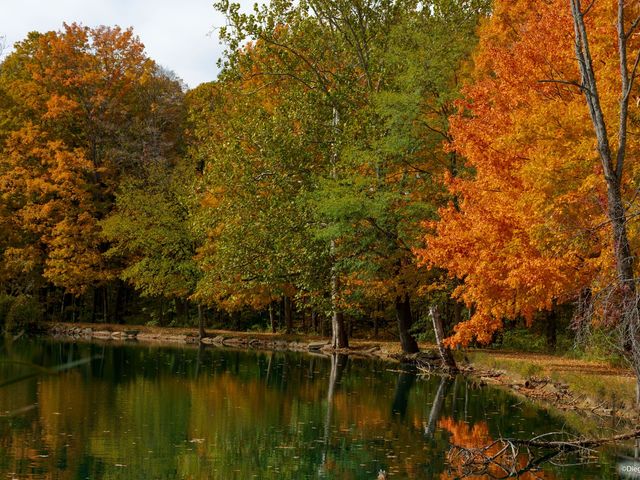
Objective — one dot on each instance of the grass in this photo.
(598, 380)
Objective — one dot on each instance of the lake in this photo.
(150, 412)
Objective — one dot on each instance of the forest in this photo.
(444, 170)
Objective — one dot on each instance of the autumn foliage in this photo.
(530, 230)
(81, 110)
(434, 164)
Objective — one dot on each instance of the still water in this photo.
(141, 412)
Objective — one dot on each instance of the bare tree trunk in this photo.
(272, 318)
(438, 328)
(376, 326)
(161, 316)
(119, 302)
(339, 337)
(105, 304)
(182, 310)
(403, 316)
(613, 168)
(552, 329)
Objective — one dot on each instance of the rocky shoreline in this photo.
(231, 340)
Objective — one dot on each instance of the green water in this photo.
(140, 412)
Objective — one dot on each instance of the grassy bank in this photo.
(594, 388)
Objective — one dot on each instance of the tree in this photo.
(528, 230)
(323, 47)
(150, 231)
(249, 140)
(80, 108)
(613, 161)
(396, 165)
(365, 103)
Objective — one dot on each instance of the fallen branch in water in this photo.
(503, 458)
(576, 444)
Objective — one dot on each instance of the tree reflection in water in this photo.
(173, 413)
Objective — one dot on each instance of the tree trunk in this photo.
(120, 299)
(375, 326)
(438, 328)
(613, 166)
(105, 304)
(161, 317)
(43, 300)
(405, 321)
(288, 314)
(339, 336)
(272, 319)
(457, 313)
(201, 330)
(182, 311)
(552, 329)
(235, 317)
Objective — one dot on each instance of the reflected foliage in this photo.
(151, 412)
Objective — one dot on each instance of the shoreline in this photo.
(487, 367)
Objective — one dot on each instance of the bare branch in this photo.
(633, 27)
(572, 83)
(588, 9)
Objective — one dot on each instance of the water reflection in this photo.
(149, 412)
(404, 384)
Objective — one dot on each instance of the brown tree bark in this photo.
(288, 314)
(552, 329)
(339, 337)
(405, 321)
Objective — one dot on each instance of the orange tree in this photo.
(81, 107)
(530, 226)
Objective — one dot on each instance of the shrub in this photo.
(25, 312)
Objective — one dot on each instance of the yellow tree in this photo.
(81, 107)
